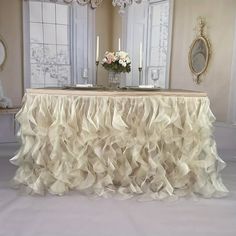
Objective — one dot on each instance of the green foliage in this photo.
(117, 67)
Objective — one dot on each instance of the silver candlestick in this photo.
(140, 69)
(97, 63)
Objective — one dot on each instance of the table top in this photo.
(9, 110)
(83, 92)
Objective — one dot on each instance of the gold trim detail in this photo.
(5, 48)
(200, 37)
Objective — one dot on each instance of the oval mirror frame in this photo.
(206, 44)
(4, 56)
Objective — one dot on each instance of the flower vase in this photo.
(114, 79)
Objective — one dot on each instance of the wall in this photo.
(220, 16)
(109, 29)
(104, 23)
(116, 28)
(232, 95)
(11, 32)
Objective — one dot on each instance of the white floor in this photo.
(76, 215)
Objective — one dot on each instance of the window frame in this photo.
(147, 53)
(89, 51)
(127, 32)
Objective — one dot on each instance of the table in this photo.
(8, 127)
(6, 111)
(125, 143)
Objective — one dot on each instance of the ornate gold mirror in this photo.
(3, 54)
(199, 53)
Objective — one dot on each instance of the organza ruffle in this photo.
(153, 146)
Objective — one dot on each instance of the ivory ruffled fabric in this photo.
(152, 146)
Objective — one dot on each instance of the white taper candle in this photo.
(97, 51)
(141, 55)
(119, 47)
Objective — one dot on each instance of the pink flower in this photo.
(110, 56)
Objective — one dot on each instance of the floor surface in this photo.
(76, 215)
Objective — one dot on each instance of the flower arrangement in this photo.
(117, 62)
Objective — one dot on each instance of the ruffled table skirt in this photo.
(152, 146)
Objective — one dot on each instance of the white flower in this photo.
(113, 57)
(124, 64)
(122, 54)
(104, 60)
(128, 60)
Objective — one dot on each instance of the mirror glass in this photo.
(2, 53)
(199, 56)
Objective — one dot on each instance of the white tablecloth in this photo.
(153, 145)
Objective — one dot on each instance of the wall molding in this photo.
(224, 125)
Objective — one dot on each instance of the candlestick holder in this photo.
(97, 63)
(140, 69)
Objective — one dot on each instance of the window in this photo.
(157, 44)
(149, 23)
(50, 59)
(54, 36)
